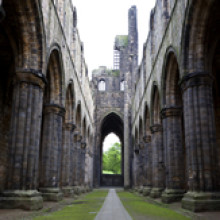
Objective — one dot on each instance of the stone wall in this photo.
(173, 89)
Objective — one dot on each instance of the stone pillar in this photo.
(148, 162)
(66, 172)
(157, 161)
(82, 167)
(21, 189)
(141, 166)
(51, 152)
(135, 167)
(87, 167)
(77, 181)
(74, 161)
(200, 141)
(174, 154)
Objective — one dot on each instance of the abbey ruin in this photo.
(165, 111)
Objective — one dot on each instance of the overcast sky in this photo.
(99, 21)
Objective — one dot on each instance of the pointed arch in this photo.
(155, 105)
(170, 84)
(24, 20)
(195, 31)
(69, 104)
(54, 88)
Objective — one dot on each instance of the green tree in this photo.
(111, 159)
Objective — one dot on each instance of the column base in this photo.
(201, 201)
(21, 199)
(140, 190)
(146, 191)
(68, 191)
(83, 189)
(77, 190)
(172, 195)
(156, 192)
(51, 194)
(135, 189)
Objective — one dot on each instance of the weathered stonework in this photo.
(45, 80)
(166, 111)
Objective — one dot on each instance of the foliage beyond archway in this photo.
(111, 160)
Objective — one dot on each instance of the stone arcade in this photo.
(166, 111)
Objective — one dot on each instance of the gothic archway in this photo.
(173, 131)
(112, 123)
(68, 148)
(201, 37)
(157, 145)
(51, 143)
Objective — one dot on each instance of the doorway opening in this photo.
(111, 155)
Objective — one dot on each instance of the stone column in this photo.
(148, 162)
(141, 166)
(51, 152)
(74, 161)
(157, 161)
(78, 162)
(66, 175)
(200, 141)
(82, 167)
(21, 189)
(135, 167)
(87, 167)
(174, 154)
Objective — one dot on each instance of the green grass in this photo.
(139, 209)
(84, 209)
(107, 172)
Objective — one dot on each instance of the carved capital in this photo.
(83, 144)
(54, 108)
(156, 128)
(30, 77)
(196, 79)
(147, 138)
(69, 126)
(171, 111)
(77, 137)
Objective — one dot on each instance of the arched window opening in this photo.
(111, 155)
(101, 85)
(122, 85)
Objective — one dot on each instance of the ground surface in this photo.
(87, 206)
(139, 209)
(112, 208)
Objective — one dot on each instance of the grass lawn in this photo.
(107, 172)
(84, 209)
(139, 209)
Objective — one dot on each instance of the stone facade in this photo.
(177, 98)
(112, 97)
(45, 102)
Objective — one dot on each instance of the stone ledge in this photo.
(21, 199)
(172, 195)
(51, 194)
(201, 201)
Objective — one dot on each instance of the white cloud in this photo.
(99, 21)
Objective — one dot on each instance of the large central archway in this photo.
(112, 123)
